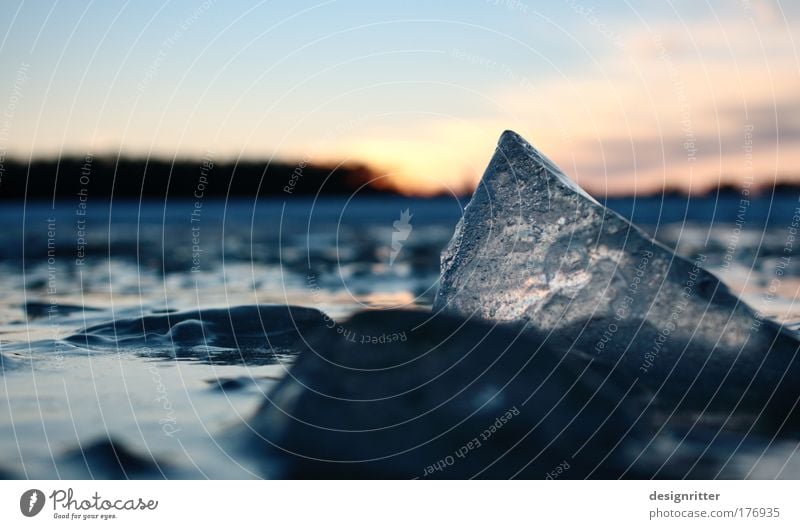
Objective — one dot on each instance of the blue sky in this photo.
(613, 91)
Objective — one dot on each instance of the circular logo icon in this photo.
(31, 502)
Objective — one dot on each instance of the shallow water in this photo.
(89, 354)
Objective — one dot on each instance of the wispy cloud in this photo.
(683, 106)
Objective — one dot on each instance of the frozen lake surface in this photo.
(138, 340)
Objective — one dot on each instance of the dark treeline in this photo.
(132, 178)
(158, 178)
(761, 191)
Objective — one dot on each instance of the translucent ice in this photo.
(533, 247)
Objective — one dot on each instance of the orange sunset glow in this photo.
(625, 101)
(665, 114)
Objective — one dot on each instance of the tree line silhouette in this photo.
(157, 178)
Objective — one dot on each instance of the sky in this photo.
(627, 97)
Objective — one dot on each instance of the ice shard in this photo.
(455, 399)
(533, 247)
